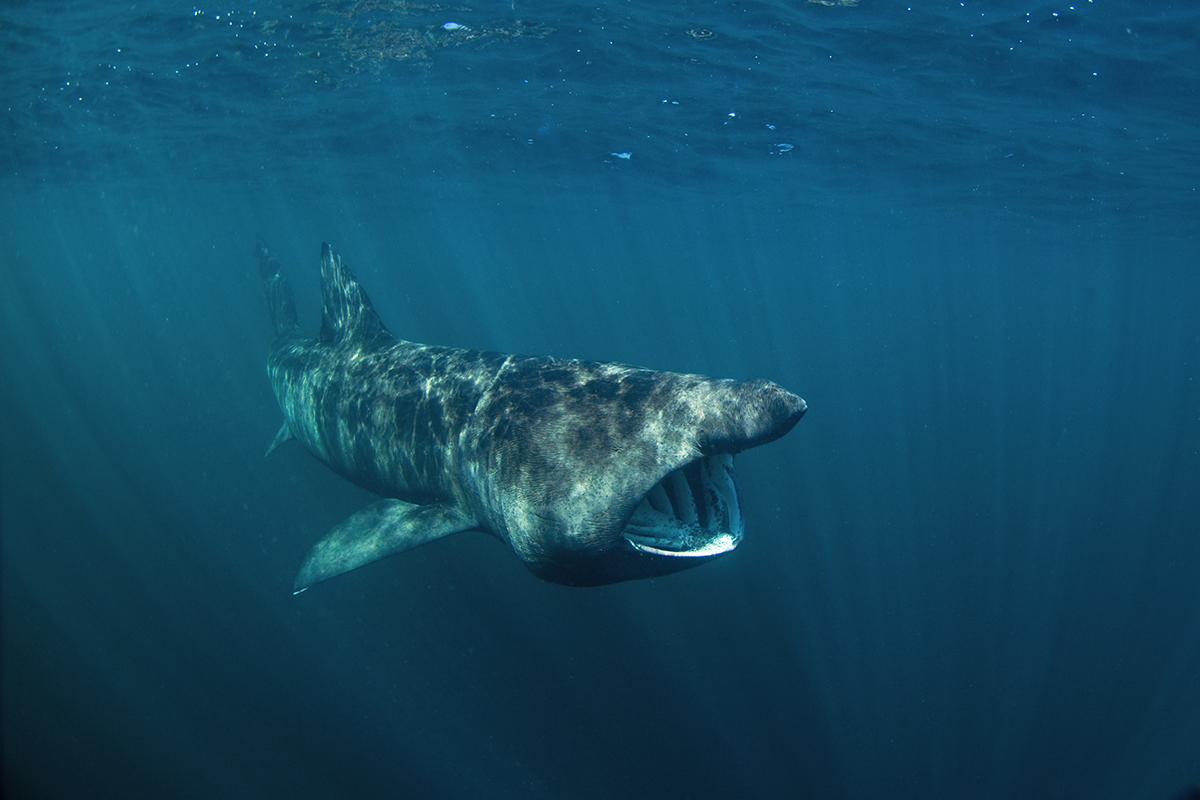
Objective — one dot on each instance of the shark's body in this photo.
(593, 473)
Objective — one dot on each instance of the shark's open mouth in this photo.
(695, 511)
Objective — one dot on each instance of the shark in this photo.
(592, 473)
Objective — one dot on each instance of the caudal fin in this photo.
(280, 301)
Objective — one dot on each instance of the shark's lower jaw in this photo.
(693, 512)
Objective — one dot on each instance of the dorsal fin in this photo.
(348, 313)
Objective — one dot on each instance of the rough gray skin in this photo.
(561, 459)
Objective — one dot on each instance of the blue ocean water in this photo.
(965, 233)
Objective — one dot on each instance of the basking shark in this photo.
(592, 473)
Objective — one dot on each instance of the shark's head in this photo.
(619, 473)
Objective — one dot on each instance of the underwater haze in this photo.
(966, 233)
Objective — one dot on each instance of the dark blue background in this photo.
(972, 570)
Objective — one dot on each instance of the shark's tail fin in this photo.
(280, 301)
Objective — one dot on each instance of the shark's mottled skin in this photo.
(593, 473)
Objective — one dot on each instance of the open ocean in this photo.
(967, 233)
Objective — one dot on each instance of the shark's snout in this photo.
(786, 411)
(747, 414)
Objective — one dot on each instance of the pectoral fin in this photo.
(284, 435)
(380, 530)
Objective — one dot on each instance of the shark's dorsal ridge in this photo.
(347, 313)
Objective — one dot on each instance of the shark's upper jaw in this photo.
(694, 512)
